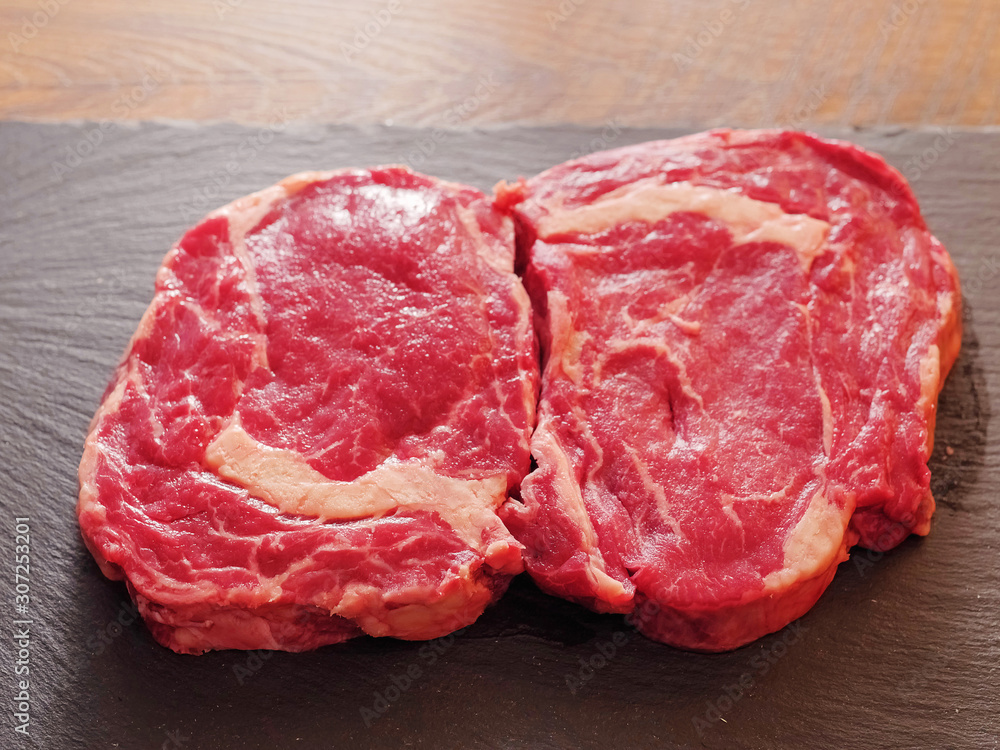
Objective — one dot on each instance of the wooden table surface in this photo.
(455, 63)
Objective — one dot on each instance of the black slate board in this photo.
(902, 650)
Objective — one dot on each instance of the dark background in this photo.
(901, 651)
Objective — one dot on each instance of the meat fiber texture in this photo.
(322, 411)
(321, 427)
(744, 335)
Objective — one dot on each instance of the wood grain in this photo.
(457, 63)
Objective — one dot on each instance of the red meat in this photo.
(744, 335)
(322, 411)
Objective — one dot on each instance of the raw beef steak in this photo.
(743, 336)
(324, 407)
